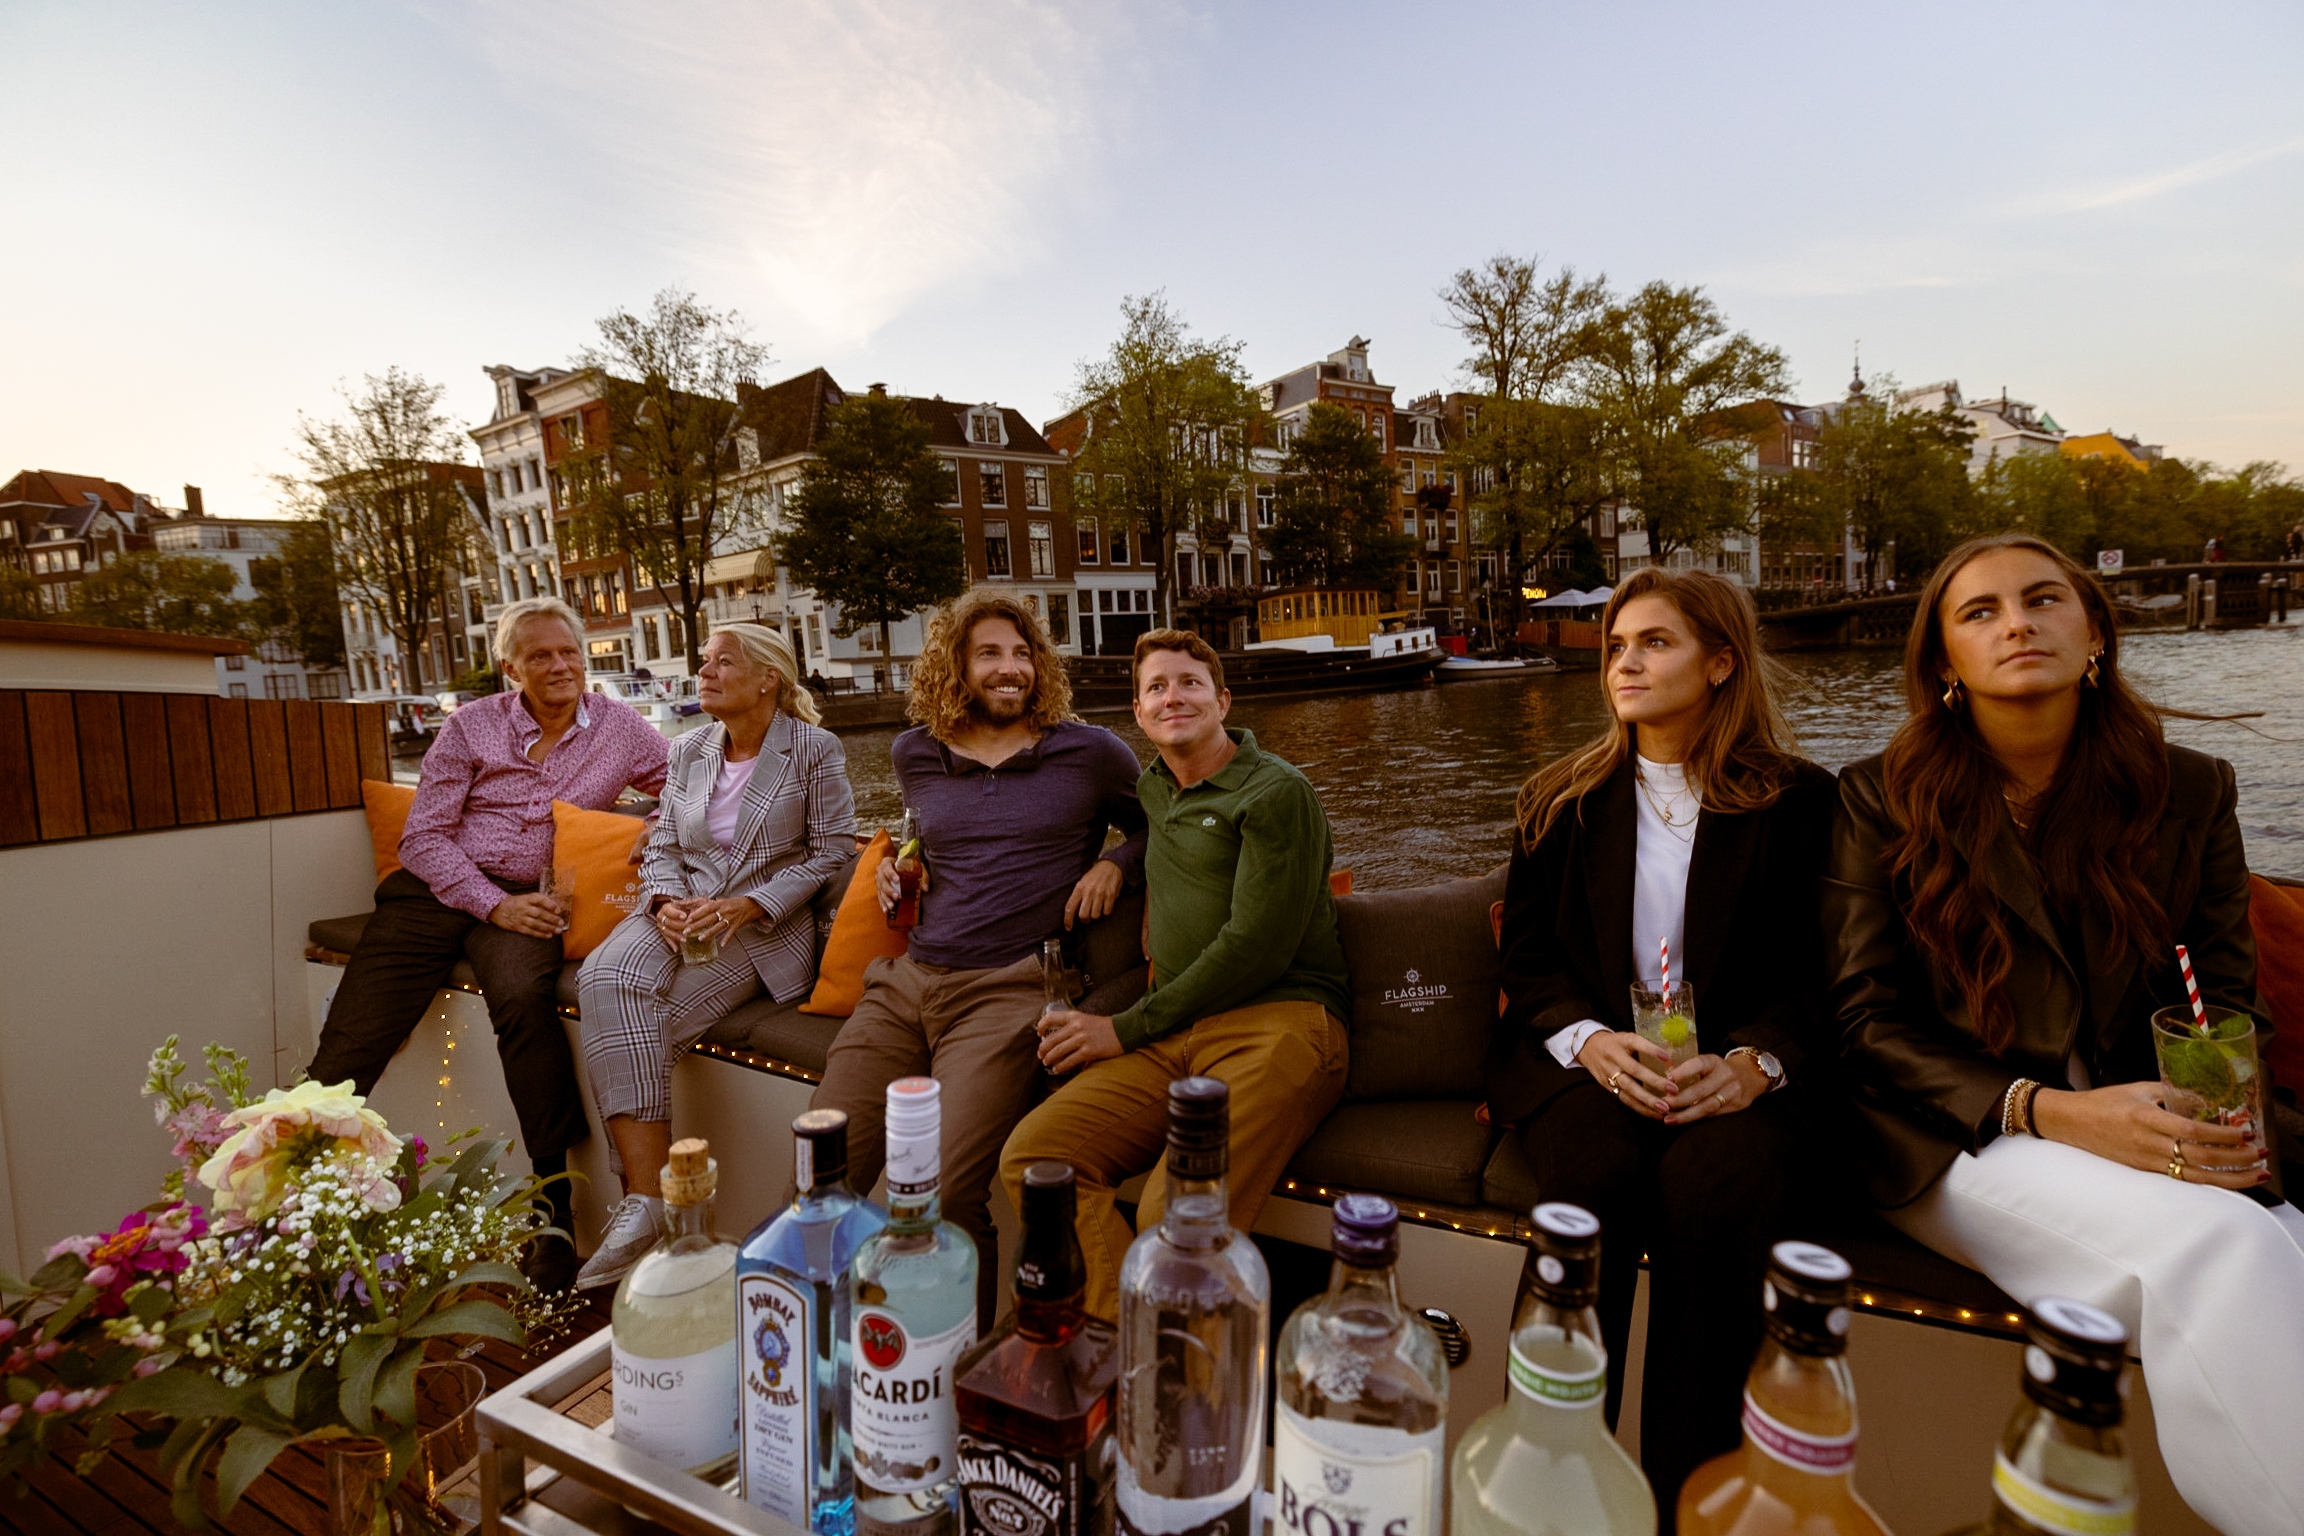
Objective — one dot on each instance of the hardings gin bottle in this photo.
(913, 1289)
(2062, 1469)
(1195, 1320)
(673, 1330)
(1796, 1470)
(1360, 1444)
(1543, 1463)
(1036, 1397)
(792, 1332)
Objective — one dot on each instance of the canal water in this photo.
(1419, 785)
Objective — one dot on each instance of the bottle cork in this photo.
(690, 1176)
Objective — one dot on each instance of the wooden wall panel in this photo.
(268, 746)
(103, 762)
(375, 744)
(55, 743)
(336, 735)
(235, 761)
(19, 807)
(151, 778)
(192, 759)
(307, 757)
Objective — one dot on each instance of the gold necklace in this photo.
(1649, 794)
(2014, 814)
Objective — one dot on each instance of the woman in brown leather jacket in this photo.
(2007, 884)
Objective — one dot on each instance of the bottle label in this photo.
(776, 1328)
(901, 1412)
(914, 1165)
(2054, 1510)
(1005, 1491)
(1152, 1516)
(1581, 1389)
(1336, 1479)
(1827, 1454)
(680, 1409)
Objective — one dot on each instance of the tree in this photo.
(1899, 477)
(1332, 522)
(1664, 370)
(660, 484)
(1528, 337)
(20, 595)
(382, 479)
(866, 530)
(296, 603)
(2044, 494)
(1169, 422)
(1537, 472)
(176, 594)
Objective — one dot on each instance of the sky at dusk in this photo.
(219, 211)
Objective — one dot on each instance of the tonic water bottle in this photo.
(912, 1286)
(673, 1330)
(1360, 1443)
(1195, 1320)
(1036, 1397)
(1796, 1471)
(2062, 1466)
(1542, 1463)
(792, 1328)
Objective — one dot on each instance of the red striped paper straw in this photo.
(2192, 989)
(1664, 958)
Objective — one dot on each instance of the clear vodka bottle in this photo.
(1195, 1318)
(1542, 1463)
(792, 1325)
(912, 1286)
(673, 1330)
(1360, 1443)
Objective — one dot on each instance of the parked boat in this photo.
(1400, 660)
(667, 703)
(1466, 669)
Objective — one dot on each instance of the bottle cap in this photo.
(914, 1136)
(1365, 1230)
(1564, 1255)
(2072, 1364)
(690, 1175)
(1199, 1128)
(1804, 1300)
(819, 1149)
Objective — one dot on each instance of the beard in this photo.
(998, 709)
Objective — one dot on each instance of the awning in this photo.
(745, 565)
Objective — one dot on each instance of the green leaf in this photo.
(22, 1388)
(66, 1315)
(315, 1395)
(59, 1272)
(185, 1503)
(181, 1393)
(246, 1455)
(403, 1446)
(360, 1361)
(492, 1272)
(396, 1386)
(148, 1305)
(178, 1443)
(11, 1286)
(280, 1390)
(475, 1316)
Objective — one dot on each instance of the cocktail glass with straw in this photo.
(1665, 1011)
(2208, 1060)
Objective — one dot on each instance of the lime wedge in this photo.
(1673, 1029)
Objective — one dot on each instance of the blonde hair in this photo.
(767, 647)
(939, 695)
(1743, 758)
(516, 614)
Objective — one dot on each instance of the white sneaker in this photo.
(634, 1227)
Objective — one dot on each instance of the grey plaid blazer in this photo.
(797, 828)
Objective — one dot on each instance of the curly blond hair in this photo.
(939, 694)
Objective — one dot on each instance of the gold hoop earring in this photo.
(1953, 694)
(2095, 678)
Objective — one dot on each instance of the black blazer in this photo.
(1924, 1085)
(1752, 938)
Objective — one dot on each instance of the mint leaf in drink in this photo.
(2201, 1067)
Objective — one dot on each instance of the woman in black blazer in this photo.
(1688, 822)
(2007, 886)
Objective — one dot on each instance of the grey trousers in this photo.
(643, 1009)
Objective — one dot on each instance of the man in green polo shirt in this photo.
(1248, 978)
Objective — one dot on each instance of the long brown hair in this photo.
(1743, 758)
(2093, 829)
(939, 694)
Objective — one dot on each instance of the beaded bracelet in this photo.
(2016, 1107)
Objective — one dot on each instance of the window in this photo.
(1455, 576)
(1036, 487)
(996, 547)
(1119, 546)
(1060, 617)
(279, 685)
(1103, 602)
(239, 690)
(1264, 500)
(495, 485)
(535, 473)
(1239, 568)
(648, 643)
(1376, 427)
(1083, 491)
(616, 589)
(1183, 569)
(984, 427)
(815, 634)
(1236, 510)
(1427, 434)
(1147, 548)
(1408, 479)
(1042, 539)
(1086, 533)
(951, 469)
(235, 663)
(572, 431)
(994, 484)
(1408, 523)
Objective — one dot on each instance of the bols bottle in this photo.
(2062, 1468)
(792, 1331)
(1360, 1444)
(672, 1333)
(1036, 1397)
(1195, 1317)
(913, 1289)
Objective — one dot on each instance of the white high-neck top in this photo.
(1659, 886)
(728, 799)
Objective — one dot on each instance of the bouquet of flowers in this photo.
(295, 1305)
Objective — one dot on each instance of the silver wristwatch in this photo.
(1770, 1067)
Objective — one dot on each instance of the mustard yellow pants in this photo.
(1284, 1063)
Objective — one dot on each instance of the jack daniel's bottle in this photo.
(1035, 1398)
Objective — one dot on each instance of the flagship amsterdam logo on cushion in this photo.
(1414, 993)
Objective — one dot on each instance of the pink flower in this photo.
(102, 1276)
(47, 1350)
(152, 1366)
(20, 1360)
(48, 1401)
(10, 1413)
(7, 1329)
(251, 1171)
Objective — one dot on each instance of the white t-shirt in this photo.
(728, 799)
(1659, 886)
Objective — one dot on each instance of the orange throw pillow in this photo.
(595, 847)
(2276, 912)
(860, 935)
(387, 808)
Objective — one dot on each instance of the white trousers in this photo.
(2210, 1284)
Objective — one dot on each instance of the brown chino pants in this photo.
(973, 1032)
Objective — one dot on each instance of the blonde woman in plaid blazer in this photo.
(756, 816)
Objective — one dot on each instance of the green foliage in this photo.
(1529, 336)
(1537, 472)
(867, 527)
(2168, 510)
(20, 595)
(477, 680)
(1900, 477)
(172, 593)
(1332, 522)
(296, 603)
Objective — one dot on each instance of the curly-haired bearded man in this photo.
(1014, 797)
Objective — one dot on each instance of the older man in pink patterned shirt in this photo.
(478, 840)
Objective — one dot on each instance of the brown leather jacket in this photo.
(1923, 1084)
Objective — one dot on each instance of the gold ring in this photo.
(2176, 1148)
(1612, 1088)
(2176, 1168)
(1722, 1096)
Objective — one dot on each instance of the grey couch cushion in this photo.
(1424, 980)
(1418, 1150)
(778, 1030)
(1508, 1181)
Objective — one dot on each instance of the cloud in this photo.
(2136, 189)
(847, 156)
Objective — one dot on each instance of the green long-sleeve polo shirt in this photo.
(1236, 879)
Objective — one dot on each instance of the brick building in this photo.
(54, 526)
